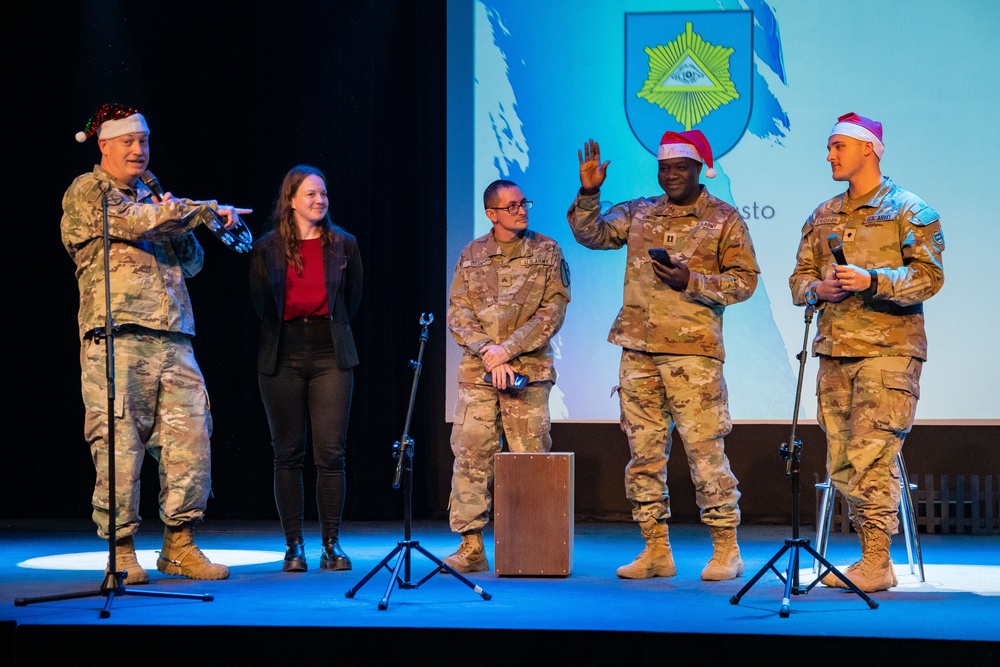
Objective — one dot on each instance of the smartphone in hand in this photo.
(661, 256)
(519, 383)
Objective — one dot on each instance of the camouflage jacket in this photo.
(519, 303)
(709, 236)
(898, 236)
(152, 251)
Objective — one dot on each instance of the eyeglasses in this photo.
(513, 208)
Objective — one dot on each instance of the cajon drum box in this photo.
(533, 514)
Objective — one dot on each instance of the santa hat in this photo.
(691, 144)
(861, 128)
(113, 120)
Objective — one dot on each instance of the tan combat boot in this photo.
(125, 561)
(725, 562)
(656, 560)
(470, 556)
(874, 572)
(181, 556)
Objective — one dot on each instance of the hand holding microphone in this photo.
(837, 248)
(151, 182)
(849, 278)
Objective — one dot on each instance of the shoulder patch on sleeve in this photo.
(924, 216)
(564, 272)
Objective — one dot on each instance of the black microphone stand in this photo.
(402, 451)
(114, 579)
(790, 453)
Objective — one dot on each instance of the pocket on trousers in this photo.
(460, 409)
(898, 404)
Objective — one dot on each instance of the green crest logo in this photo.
(688, 78)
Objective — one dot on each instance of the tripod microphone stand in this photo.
(402, 450)
(114, 579)
(790, 452)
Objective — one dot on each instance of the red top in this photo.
(305, 295)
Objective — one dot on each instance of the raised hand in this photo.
(592, 172)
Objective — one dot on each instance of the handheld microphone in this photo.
(836, 247)
(150, 182)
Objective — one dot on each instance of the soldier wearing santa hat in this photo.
(870, 336)
(670, 332)
(161, 404)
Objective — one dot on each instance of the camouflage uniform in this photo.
(518, 302)
(161, 404)
(671, 365)
(871, 345)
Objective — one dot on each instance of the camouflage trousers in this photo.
(866, 408)
(484, 418)
(161, 406)
(657, 392)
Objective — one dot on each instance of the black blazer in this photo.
(342, 269)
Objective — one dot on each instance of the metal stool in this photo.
(907, 515)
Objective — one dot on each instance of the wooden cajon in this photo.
(533, 514)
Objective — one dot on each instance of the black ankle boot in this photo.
(295, 556)
(333, 557)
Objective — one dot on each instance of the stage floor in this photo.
(262, 613)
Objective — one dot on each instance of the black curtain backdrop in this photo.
(235, 94)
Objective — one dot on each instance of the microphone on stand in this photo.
(836, 247)
(150, 181)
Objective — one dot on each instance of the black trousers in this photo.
(308, 399)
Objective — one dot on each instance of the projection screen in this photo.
(529, 82)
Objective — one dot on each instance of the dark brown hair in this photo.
(284, 217)
(490, 194)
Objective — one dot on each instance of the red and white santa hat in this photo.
(861, 128)
(691, 144)
(113, 120)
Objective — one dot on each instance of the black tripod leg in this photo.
(110, 588)
(113, 582)
(760, 573)
(22, 602)
(452, 571)
(357, 587)
(403, 556)
(791, 576)
(824, 563)
(108, 599)
(165, 594)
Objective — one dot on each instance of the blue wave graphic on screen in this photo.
(538, 91)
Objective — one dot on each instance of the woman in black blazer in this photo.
(305, 282)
